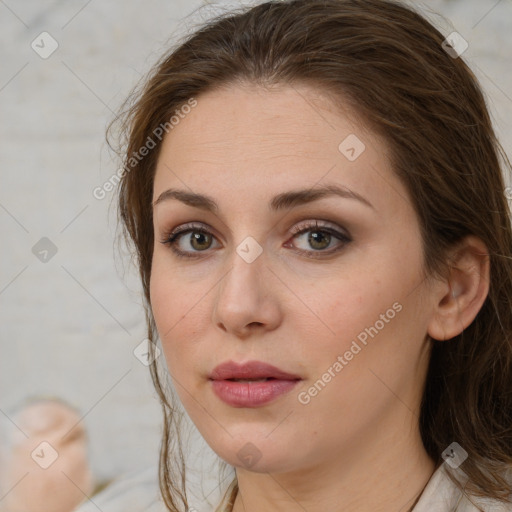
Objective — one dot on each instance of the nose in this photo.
(246, 300)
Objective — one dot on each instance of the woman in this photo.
(314, 194)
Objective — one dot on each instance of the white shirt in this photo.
(139, 492)
(442, 495)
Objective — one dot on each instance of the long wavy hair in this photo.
(390, 63)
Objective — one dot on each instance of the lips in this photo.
(251, 371)
(252, 384)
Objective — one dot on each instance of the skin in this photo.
(356, 445)
(61, 486)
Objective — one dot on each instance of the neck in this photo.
(382, 473)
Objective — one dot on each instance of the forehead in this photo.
(270, 139)
(239, 118)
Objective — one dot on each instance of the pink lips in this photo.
(250, 394)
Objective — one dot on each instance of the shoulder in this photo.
(442, 495)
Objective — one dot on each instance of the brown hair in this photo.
(389, 62)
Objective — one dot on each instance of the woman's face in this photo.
(343, 306)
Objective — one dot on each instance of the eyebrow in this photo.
(283, 201)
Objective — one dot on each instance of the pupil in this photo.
(316, 236)
(197, 238)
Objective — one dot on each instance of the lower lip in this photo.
(251, 394)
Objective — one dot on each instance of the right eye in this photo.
(200, 241)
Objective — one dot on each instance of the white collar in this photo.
(442, 495)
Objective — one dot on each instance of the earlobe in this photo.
(458, 300)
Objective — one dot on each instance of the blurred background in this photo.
(71, 321)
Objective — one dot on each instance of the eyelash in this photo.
(174, 236)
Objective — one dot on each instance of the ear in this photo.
(459, 298)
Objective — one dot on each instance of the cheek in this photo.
(368, 315)
(164, 306)
(175, 309)
(166, 294)
(347, 306)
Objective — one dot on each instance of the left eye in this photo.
(319, 238)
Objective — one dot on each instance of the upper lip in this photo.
(249, 370)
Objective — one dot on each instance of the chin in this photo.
(258, 453)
